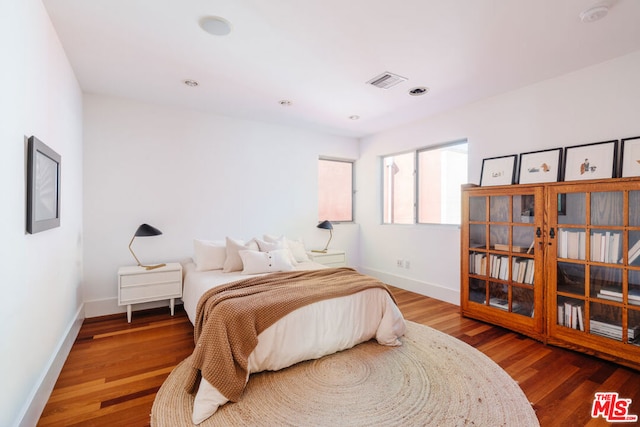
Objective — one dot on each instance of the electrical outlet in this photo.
(407, 264)
(399, 263)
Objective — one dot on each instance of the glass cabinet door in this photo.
(501, 249)
(595, 284)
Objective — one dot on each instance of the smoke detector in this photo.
(594, 13)
(386, 80)
(215, 25)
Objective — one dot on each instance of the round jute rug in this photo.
(432, 379)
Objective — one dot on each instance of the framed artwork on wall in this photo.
(43, 186)
(498, 170)
(590, 161)
(540, 166)
(630, 157)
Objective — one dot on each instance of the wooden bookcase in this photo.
(582, 239)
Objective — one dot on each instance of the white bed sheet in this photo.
(196, 283)
(307, 333)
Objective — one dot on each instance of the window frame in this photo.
(353, 188)
(416, 182)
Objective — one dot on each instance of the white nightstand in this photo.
(331, 258)
(137, 285)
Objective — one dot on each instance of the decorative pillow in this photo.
(271, 244)
(296, 247)
(209, 255)
(256, 262)
(233, 262)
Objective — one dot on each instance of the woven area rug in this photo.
(432, 379)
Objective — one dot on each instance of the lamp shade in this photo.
(145, 230)
(326, 225)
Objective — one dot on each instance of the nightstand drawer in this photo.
(155, 291)
(154, 277)
(332, 259)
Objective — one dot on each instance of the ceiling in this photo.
(319, 54)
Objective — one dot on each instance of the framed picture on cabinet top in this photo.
(590, 161)
(630, 157)
(498, 170)
(540, 166)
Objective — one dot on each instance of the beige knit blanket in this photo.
(229, 319)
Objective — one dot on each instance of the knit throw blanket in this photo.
(229, 319)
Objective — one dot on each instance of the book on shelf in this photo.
(616, 295)
(614, 248)
(579, 317)
(477, 264)
(503, 304)
(519, 269)
(571, 316)
(530, 272)
(571, 244)
(507, 248)
(605, 247)
(522, 270)
(613, 331)
(499, 268)
(634, 252)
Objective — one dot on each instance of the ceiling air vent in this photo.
(386, 80)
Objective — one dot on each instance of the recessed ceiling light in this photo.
(191, 83)
(594, 13)
(354, 117)
(215, 25)
(285, 103)
(417, 91)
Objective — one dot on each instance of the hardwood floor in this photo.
(115, 368)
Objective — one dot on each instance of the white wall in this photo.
(41, 273)
(193, 175)
(594, 104)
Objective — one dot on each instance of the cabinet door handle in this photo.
(538, 232)
(552, 233)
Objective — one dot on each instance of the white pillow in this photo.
(209, 255)
(233, 262)
(271, 244)
(256, 262)
(296, 247)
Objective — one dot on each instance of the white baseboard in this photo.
(104, 307)
(423, 288)
(32, 409)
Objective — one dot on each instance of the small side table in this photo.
(137, 285)
(331, 258)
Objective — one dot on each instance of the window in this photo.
(423, 186)
(398, 188)
(335, 190)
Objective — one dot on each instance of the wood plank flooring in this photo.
(115, 368)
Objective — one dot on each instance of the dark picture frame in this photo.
(498, 170)
(528, 205)
(540, 166)
(630, 157)
(43, 186)
(597, 160)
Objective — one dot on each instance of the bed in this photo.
(328, 324)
